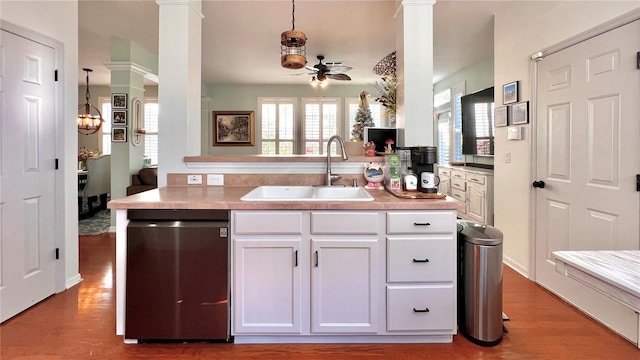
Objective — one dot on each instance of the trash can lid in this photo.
(480, 234)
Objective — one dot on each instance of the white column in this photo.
(414, 46)
(179, 88)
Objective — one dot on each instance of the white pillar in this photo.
(414, 46)
(179, 87)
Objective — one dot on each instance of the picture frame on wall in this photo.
(233, 128)
(501, 116)
(119, 117)
(119, 134)
(510, 93)
(118, 101)
(520, 113)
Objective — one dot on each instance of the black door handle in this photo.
(538, 184)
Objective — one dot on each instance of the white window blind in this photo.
(151, 127)
(444, 137)
(321, 121)
(457, 128)
(105, 109)
(277, 118)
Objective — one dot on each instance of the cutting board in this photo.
(416, 194)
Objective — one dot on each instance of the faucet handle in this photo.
(354, 182)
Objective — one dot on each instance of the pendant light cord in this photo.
(293, 14)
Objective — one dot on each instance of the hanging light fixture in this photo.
(89, 123)
(292, 45)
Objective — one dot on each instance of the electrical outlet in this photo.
(215, 179)
(194, 179)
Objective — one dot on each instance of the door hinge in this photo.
(55, 75)
(56, 165)
(57, 253)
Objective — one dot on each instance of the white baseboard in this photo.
(516, 266)
(73, 281)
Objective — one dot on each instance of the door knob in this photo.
(538, 184)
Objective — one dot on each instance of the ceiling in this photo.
(241, 38)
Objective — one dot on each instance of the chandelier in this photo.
(292, 45)
(89, 123)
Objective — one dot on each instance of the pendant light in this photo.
(292, 45)
(91, 120)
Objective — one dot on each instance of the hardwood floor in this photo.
(80, 324)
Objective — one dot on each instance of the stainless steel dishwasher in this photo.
(177, 283)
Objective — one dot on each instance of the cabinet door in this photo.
(344, 285)
(445, 185)
(476, 203)
(266, 285)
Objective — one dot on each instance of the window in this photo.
(105, 109)
(352, 103)
(151, 127)
(321, 121)
(277, 116)
(449, 124)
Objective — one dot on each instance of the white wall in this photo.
(521, 29)
(59, 20)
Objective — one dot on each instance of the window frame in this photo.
(323, 137)
(288, 100)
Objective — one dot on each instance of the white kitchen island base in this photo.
(346, 339)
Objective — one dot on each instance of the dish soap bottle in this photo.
(410, 181)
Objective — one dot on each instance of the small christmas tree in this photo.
(363, 118)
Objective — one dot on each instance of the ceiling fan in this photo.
(331, 70)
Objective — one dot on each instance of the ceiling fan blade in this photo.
(299, 74)
(339, 68)
(338, 76)
(311, 68)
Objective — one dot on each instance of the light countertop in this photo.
(220, 197)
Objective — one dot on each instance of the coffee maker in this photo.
(423, 160)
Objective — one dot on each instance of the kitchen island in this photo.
(324, 271)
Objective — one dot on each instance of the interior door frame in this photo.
(58, 103)
(533, 74)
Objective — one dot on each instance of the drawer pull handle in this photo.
(421, 224)
(296, 258)
(316, 258)
(421, 261)
(421, 311)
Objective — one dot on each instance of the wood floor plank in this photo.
(79, 323)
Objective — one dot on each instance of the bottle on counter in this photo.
(410, 181)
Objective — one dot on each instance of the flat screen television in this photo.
(477, 123)
(380, 135)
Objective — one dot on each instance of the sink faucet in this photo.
(331, 178)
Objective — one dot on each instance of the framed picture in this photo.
(118, 101)
(119, 117)
(520, 113)
(501, 116)
(233, 128)
(119, 134)
(510, 93)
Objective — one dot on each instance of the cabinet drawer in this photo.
(478, 179)
(458, 174)
(458, 184)
(363, 223)
(421, 222)
(420, 259)
(419, 308)
(267, 222)
(459, 194)
(444, 172)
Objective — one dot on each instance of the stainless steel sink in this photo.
(307, 193)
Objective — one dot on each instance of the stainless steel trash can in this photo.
(480, 282)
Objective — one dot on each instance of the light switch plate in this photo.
(215, 179)
(194, 179)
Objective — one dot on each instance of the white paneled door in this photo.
(27, 179)
(588, 155)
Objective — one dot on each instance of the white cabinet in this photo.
(474, 187)
(445, 181)
(327, 276)
(421, 272)
(267, 287)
